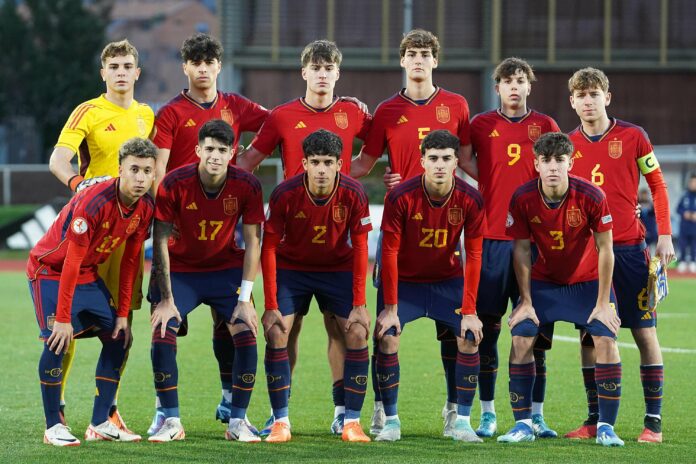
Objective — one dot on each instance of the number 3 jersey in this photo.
(505, 158)
(203, 238)
(315, 232)
(94, 218)
(561, 231)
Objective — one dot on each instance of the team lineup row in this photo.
(495, 148)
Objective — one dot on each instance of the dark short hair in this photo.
(217, 129)
(140, 148)
(321, 51)
(201, 47)
(419, 38)
(509, 67)
(322, 142)
(440, 139)
(552, 144)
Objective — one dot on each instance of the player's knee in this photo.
(276, 337)
(356, 337)
(521, 350)
(467, 346)
(645, 338)
(389, 344)
(606, 349)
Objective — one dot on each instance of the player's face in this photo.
(321, 77)
(439, 165)
(120, 73)
(321, 171)
(553, 170)
(513, 90)
(419, 64)
(137, 175)
(214, 155)
(202, 74)
(590, 104)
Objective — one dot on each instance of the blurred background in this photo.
(50, 63)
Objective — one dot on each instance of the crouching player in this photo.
(196, 261)
(315, 244)
(424, 218)
(570, 281)
(70, 298)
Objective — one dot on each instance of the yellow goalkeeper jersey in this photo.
(97, 128)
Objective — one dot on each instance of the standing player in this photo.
(570, 281)
(502, 140)
(611, 153)
(286, 127)
(687, 227)
(198, 207)
(96, 129)
(70, 298)
(399, 126)
(423, 221)
(176, 137)
(306, 252)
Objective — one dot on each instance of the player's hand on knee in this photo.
(391, 179)
(165, 310)
(273, 317)
(60, 338)
(387, 319)
(472, 323)
(246, 312)
(522, 311)
(607, 315)
(359, 315)
(122, 324)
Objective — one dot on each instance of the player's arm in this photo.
(250, 159)
(467, 161)
(362, 164)
(603, 311)
(160, 168)
(650, 168)
(165, 309)
(271, 316)
(244, 309)
(522, 263)
(359, 314)
(60, 166)
(389, 317)
(473, 247)
(130, 265)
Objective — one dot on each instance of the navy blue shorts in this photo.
(333, 291)
(439, 301)
(92, 307)
(217, 289)
(631, 285)
(569, 303)
(498, 285)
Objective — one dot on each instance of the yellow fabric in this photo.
(97, 128)
(110, 272)
(648, 163)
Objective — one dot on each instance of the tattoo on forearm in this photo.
(160, 259)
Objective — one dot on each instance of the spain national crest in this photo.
(534, 132)
(442, 113)
(340, 213)
(229, 205)
(142, 128)
(341, 120)
(615, 149)
(227, 116)
(455, 216)
(133, 224)
(574, 216)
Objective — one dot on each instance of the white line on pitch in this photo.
(563, 338)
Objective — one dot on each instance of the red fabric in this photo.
(268, 268)
(472, 273)
(359, 268)
(68, 280)
(658, 189)
(130, 265)
(391, 241)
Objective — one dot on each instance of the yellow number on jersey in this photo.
(514, 151)
(216, 225)
(597, 176)
(321, 231)
(433, 237)
(422, 132)
(557, 235)
(109, 244)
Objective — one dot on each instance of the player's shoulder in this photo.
(576, 134)
(350, 184)
(296, 104)
(450, 96)
(483, 118)
(174, 105)
(403, 189)
(348, 106)
(630, 128)
(585, 188)
(148, 202)
(538, 116)
(460, 185)
(287, 187)
(526, 189)
(390, 104)
(240, 175)
(143, 108)
(97, 196)
(180, 175)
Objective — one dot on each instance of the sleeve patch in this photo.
(79, 225)
(509, 221)
(648, 163)
(606, 219)
(365, 221)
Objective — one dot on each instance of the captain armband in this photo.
(648, 163)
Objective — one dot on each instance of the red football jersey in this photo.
(505, 158)
(614, 163)
(562, 234)
(203, 238)
(94, 218)
(289, 124)
(178, 122)
(430, 233)
(399, 125)
(316, 233)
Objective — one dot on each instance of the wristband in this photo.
(245, 291)
(74, 181)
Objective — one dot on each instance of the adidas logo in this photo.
(495, 133)
(647, 316)
(300, 125)
(300, 215)
(190, 123)
(417, 217)
(402, 120)
(536, 220)
(105, 225)
(577, 155)
(192, 206)
(110, 128)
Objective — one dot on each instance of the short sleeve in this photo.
(165, 125)
(76, 128)
(360, 215)
(599, 216)
(268, 137)
(516, 225)
(376, 140)
(365, 123)
(165, 209)
(252, 115)
(253, 206)
(464, 132)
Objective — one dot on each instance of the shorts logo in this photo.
(360, 379)
(455, 216)
(442, 113)
(574, 217)
(534, 132)
(615, 149)
(50, 321)
(133, 224)
(229, 205)
(340, 213)
(341, 120)
(79, 225)
(248, 378)
(227, 116)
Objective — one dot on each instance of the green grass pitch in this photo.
(420, 400)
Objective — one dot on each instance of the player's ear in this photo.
(572, 101)
(571, 160)
(102, 73)
(198, 151)
(536, 163)
(339, 163)
(137, 73)
(497, 89)
(607, 99)
(434, 62)
(305, 163)
(304, 73)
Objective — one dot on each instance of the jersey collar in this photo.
(198, 105)
(328, 199)
(543, 197)
(318, 110)
(604, 135)
(402, 94)
(433, 203)
(206, 194)
(502, 115)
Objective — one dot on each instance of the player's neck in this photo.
(125, 199)
(419, 90)
(438, 191)
(556, 193)
(202, 95)
(318, 101)
(596, 127)
(124, 100)
(211, 184)
(514, 111)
